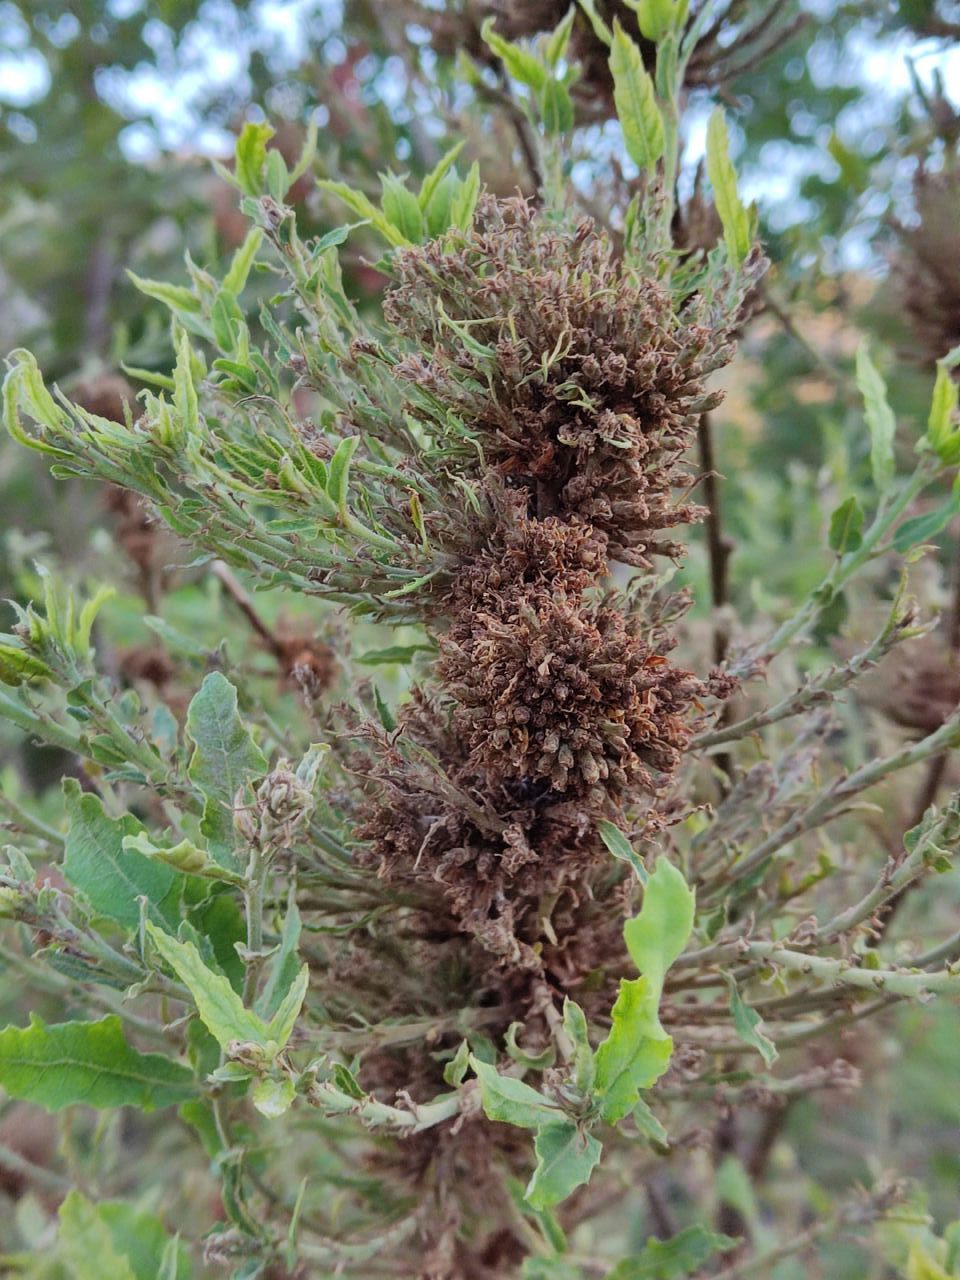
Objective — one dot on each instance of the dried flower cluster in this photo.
(577, 383)
(580, 381)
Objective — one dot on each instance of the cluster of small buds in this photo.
(283, 803)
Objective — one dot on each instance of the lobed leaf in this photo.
(566, 1158)
(224, 758)
(85, 1243)
(221, 1010)
(673, 1259)
(138, 1238)
(111, 875)
(67, 1063)
(660, 932)
(510, 1101)
(636, 1052)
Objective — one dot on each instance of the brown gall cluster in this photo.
(590, 392)
(577, 383)
(927, 264)
(551, 688)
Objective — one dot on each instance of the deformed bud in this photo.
(284, 802)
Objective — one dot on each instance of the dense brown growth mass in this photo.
(493, 847)
(928, 265)
(577, 378)
(550, 687)
(572, 384)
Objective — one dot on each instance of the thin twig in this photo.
(241, 599)
(835, 798)
(719, 548)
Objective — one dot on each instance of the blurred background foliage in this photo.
(110, 114)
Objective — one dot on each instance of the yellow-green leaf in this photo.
(943, 431)
(636, 1052)
(251, 156)
(221, 1010)
(510, 1101)
(636, 101)
(880, 420)
(566, 1158)
(736, 222)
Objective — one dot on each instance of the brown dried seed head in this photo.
(590, 396)
(552, 689)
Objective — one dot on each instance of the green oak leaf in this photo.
(566, 1158)
(225, 757)
(637, 1050)
(673, 1259)
(221, 1010)
(113, 877)
(511, 1101)
(90, 1062)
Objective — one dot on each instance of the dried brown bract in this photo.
(306, 663)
